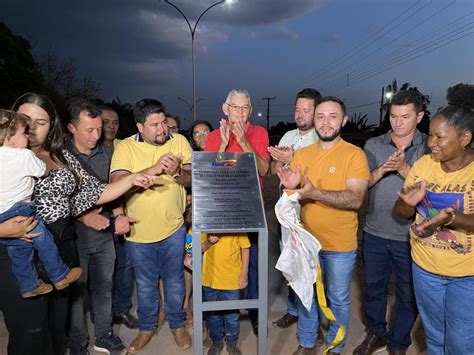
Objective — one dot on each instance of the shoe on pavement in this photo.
(182, 339)
(127, 319)
(215, 348)
(371, 344)
(233, 350)
(111, 344)
(81, 350)
(301, 350)
(141, 340)
(285, 321)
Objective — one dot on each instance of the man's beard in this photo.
(163, 141)
(304, 126)
(330, 138)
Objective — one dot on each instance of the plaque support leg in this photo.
(262, 291)
(197, 294)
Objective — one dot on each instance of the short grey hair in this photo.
(238, 92)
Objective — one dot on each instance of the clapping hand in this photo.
(282, 154)
(306, 192)
(396, 162)
(170, 163)
(290, 179)
(225, 132)
(414, 194)
(239, 130)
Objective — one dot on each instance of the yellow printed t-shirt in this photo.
(222, 262)
(447, 251)
(328, 170)
(160, 208)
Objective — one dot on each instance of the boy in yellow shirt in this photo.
(224, 274)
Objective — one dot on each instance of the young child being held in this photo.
(19, 168)
(224, 274)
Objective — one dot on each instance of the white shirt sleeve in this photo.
(33, 165)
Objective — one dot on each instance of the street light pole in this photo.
(192, 29)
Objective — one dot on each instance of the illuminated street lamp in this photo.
(385, 96)
(192, 29)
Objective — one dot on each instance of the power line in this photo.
(415, 54)
(413, 46)
(342, 58)
(390, 43)
(363, 105)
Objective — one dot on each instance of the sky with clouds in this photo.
(274, 48)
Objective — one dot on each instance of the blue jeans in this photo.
(21, 252)
(381, 257)
(160, 259)
(337, 270)
(222, 323)
(445, 305)
(292, 302)
(122, 301)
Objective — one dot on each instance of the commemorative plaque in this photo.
(226, 192)
(227, 199)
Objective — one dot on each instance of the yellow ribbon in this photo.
(341, 332)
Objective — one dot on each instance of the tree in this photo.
(19, 72)
(358, 123)
(61, 81)
(127, 125)
(62, 78)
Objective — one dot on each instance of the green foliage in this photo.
(127, 125)
(19, 73)
(358, 123)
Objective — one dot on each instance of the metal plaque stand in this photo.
(227, 199)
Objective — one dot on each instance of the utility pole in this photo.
(381, 108)
(268, 109)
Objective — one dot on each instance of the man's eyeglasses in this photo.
(201, 134)
(244, 108)
(173, 128)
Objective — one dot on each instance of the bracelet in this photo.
(453, 217)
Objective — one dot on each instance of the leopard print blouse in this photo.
(57, 195)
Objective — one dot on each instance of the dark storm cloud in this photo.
(141, 42)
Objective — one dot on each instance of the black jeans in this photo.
(37, 326)
(26, 319)
(97, 270)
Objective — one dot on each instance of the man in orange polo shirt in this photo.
(237, 134)
(332, 176)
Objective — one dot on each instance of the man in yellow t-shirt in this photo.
(333, 176)
(224, 273)
(156, 241)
